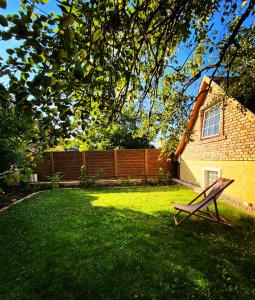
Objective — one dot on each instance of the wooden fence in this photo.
(112, 164)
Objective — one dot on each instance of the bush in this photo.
(13, 179)
(55, 180)
(88, 182)
(162, 179)
(127, 182)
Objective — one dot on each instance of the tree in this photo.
(124, 133)
(123, 137)
(98, 57)
(16, 132)
(240, 70)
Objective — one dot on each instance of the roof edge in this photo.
(203, 90)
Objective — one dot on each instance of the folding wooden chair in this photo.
(211, 194)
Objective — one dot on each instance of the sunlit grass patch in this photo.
(120, 243)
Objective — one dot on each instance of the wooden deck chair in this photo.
(210, 194)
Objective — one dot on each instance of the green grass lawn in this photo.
(120, 243)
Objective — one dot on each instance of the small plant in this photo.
(93, 180)
(55, 180)
(83, 176)
(28, 173)
(127, 182)
(88, 182)
(11, 179)
(162, 179)
(24, 176)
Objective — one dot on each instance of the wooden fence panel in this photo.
(68, 163)
(43, 168)
(155, 161)
(100, 161)
(134, 163)
(130, 163)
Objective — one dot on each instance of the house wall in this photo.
(232, 151)
(243, 172)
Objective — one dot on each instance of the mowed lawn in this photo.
(120, 243)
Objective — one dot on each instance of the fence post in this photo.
(52, 163)
(84, 158)
(115, 163)
(145, 163)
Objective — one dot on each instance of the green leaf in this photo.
(69, 34)
(10, 51)
(3, 3)
(3, 21)
(62, 53)
(78, 71)
(97, 35)
(6, 35)
(67, 21)
(63, 8)
(99, 68)
(83, 54)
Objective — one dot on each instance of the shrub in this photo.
(88, 182)
(14, 180)
(55, 180)
(127, 182)
(162, 178)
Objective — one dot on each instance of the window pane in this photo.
(216, 129)
(217, 109)
(211, 123)
(217, 119)
(210, 131)
(211, 177)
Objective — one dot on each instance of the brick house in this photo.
(222, 143)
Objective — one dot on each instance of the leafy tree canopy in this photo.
(17, 131)
(124, 133)
(95, 59)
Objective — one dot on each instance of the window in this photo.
(211, 123)
(211, 175)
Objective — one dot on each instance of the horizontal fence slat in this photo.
(135, 163)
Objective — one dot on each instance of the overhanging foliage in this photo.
(95, 58)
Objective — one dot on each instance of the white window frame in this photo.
(205, 178)
(212, 135)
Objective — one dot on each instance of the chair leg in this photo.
(189, 214)
(216, 211)
(213, 218)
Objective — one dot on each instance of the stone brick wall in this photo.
(236, 140)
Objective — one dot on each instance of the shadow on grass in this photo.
(62, 246)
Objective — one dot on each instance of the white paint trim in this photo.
(203, 122)
(205, 169)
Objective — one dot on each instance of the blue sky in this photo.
(12, 8)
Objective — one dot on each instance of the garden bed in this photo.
(16, 193)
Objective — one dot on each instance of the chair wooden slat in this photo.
(214, 192)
